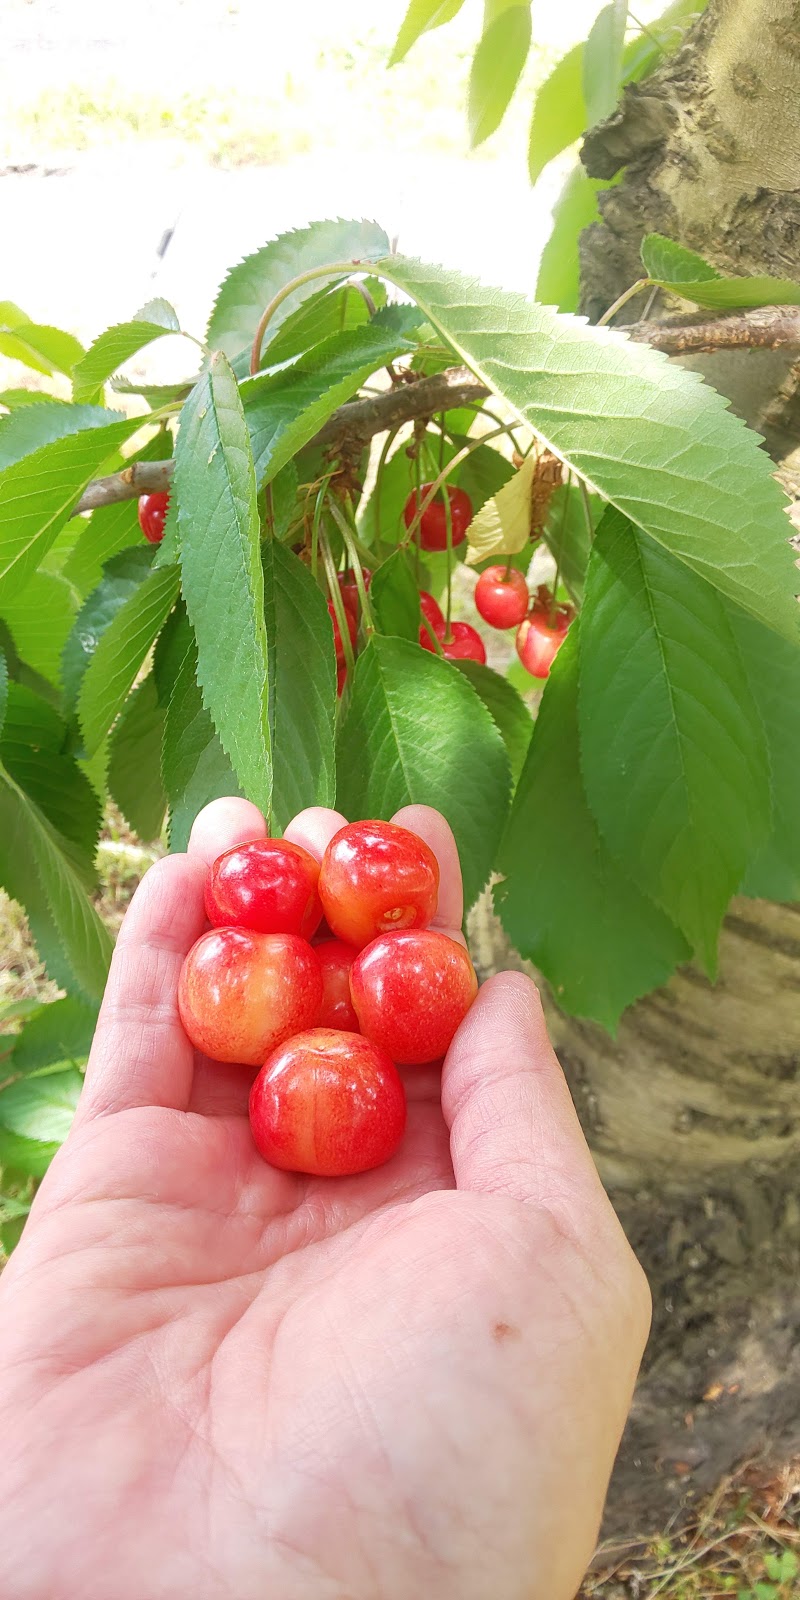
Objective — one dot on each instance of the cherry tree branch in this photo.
(766, 328)
(357, 422)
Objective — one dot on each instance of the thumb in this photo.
(513, 1127)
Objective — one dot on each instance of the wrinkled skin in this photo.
(229, 1382)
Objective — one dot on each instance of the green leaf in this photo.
(302, 685)
(32, 748)
(564, 902)
(3, 690)
(568, 536)
(223, 580)
(134, 765)
(483, 474)
(673, 754)
(683, 272)
(12, 398)
(731, 294)
(773, 672)
(602, 62)
(316, 319)
(380, 515)
(496, 69)
(39, 493)
(421, 17)
(663, 258)
(39, 1112)
(251, 285)
(506, 708)
(195, 767)
(394, 597)
(283, 500)
(646, 50)
(40, 619)
(503, 525)
(559, 112)
(116, 346)
(558, 282)
(40, 347)
(60, 1031)
(112, 529)
(651, 437)
(284, 410)
(123, 577)
(415, 731)
(39, 870)
(121, 651)
(29, 429)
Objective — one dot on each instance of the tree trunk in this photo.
(693, 1111)
(693, 1115)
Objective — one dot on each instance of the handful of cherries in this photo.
(329, 1022)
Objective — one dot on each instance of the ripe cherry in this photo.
(352, 629)
(431, 609)
(335, 959)
(501, 597)
(539, 641)
(349, 590)
(375, 876)
(410, 991)
(269, 885)
(433, 522)
(241, 993)
(328, 1103)
(464, 644)
(341, 679)
(153, 516)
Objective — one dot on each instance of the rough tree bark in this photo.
(693, 1111)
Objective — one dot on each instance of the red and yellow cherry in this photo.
(433, 522)
(501, 597)
(153, 516)
(348, 589)
(410, 992)
(539, 641)
(267, 884)
(328, 1103)
(352, 629)
(335, 959)
(242, 993)
(375, 876)
(464, 643)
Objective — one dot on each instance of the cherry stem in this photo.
(448, 525)
(554, 603)
(351, 548)
(334, 269)
(432, 635)
(635, 288)
(507, 573)
(336, 600)
(587, 509)
(381, 468)
(315, 526)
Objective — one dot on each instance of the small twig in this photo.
(635, 288)
(765, 328)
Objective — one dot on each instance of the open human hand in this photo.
(223, 1381)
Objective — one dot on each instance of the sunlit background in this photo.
(144, 148)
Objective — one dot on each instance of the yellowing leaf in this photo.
(503, 525)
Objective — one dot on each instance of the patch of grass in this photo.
(742, 1544)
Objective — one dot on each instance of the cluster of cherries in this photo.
(326, 1010)
(501, 593)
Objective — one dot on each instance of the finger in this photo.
(437, 833)
(140, 1054)
(513, 1127)
(223, 824)
(314, 829)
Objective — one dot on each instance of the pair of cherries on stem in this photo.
(502, 599)
(329, 1023)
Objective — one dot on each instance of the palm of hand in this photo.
(269, 1384)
